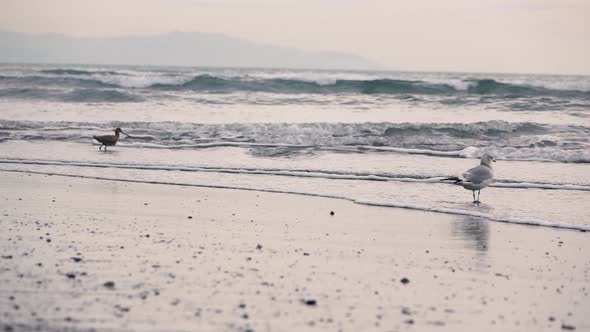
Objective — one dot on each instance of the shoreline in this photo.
(454, 212)
(119, 255)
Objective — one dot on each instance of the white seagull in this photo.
(476, 178)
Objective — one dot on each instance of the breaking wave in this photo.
(289, 83)
(505, 140)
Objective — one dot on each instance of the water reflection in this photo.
(474, 231)
(474, 234)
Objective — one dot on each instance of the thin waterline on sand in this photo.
(516, 221)
(293, 173)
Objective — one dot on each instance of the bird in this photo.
(109, 140)
(476, 178)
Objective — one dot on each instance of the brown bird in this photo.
(109, 140)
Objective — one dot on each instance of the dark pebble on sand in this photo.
(405, 281)
(122, 309)
(7, 257)
(71, 275)
(331, 213)
(310, 303)
(259, 246)
(409, 321)
(551, 318)
(190, 217)
(77, 259)
(109, 284)
(567, 327)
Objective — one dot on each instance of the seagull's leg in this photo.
(478, 192)
(100, 147)
(473, 192)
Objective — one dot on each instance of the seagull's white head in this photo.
(487, 160)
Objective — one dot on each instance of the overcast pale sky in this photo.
(548, 36)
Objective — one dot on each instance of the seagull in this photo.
(476, 178)
(109, 140)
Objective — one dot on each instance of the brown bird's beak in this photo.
(122, 132)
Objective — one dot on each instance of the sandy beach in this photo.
(84, 254)
(294, 166)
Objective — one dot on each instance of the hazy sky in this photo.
(550, 36)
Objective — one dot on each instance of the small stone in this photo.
(259, 246)
(567, 327)
(310, 303)
(331, 213)
(109, 284)
(409, 321)
(405, 281)
(77, 259)
(71, 275)
(190, 217)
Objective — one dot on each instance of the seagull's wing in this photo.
(478, 174)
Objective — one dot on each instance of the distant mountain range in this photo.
(170, 49)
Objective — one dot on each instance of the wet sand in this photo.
(81, 254)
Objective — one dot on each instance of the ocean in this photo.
(378, 138)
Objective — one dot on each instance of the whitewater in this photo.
(376, 138)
